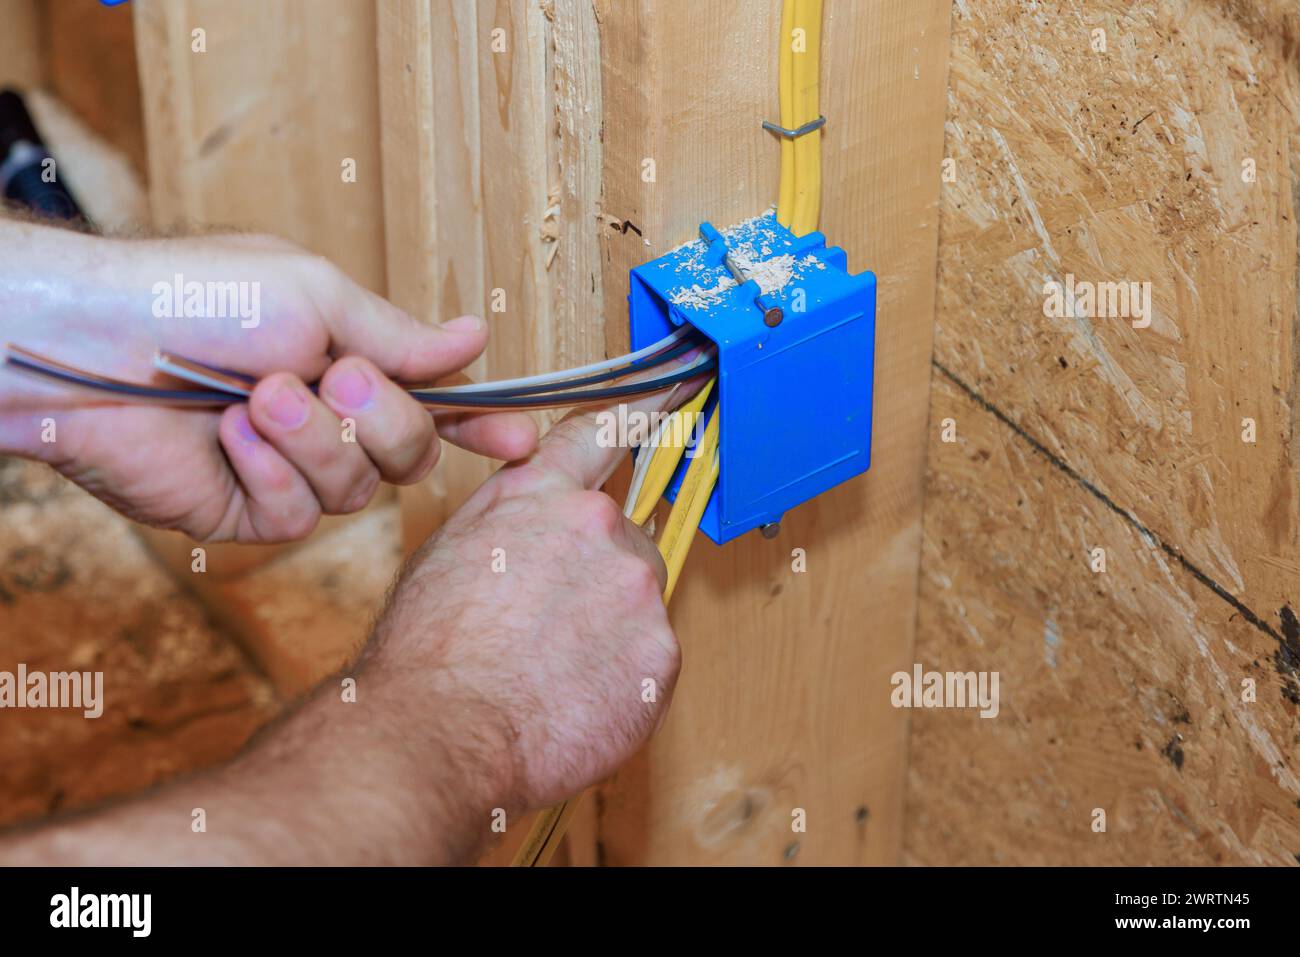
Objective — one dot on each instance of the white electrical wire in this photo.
(642, 467)
(163, 363)
(547, 378)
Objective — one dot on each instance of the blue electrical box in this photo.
(796, 349)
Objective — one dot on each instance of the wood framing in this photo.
(20, 44)
(783, 700)
(491, 146)
(468, 180)
(250, 121)
(1112, 517)
(572, 100)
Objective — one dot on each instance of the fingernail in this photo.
(244, 427)
(287, 407)
(351, 388)
(464, 324)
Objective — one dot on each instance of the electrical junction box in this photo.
(794, 396)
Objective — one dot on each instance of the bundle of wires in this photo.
(798, 209)
(658, 366)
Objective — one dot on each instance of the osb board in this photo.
(1123, 165)
(1119, 690)
(773, 711)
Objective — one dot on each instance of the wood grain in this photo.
(21, 62)
(252, 133)
(1123, 688)
(429, 101)
(784, 696)
(1119, 691)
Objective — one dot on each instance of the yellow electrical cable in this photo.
(785, 87)
(807, 107)
(676, 559)
(667, 454)
(545, 834)
(684, 519)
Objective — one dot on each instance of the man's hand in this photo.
(512, 668)
(261, 472)
(538, 607)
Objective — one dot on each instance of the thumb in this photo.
(577, 451)
(361, 323)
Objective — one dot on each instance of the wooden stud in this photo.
(772, 710)
(429, 101)
(254, 132)
(20, 44)
(783, 704)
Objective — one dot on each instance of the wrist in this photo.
(44, 306)
(450, 727)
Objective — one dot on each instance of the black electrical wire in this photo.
(200, 396)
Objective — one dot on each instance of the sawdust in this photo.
(750, 243)
(698, 297)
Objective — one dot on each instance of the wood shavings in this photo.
(750, 244)
(700, 298)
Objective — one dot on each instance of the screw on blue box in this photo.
(796, 356)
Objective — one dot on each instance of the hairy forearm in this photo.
(336, 783)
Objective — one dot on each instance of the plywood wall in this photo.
(1170, 157)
